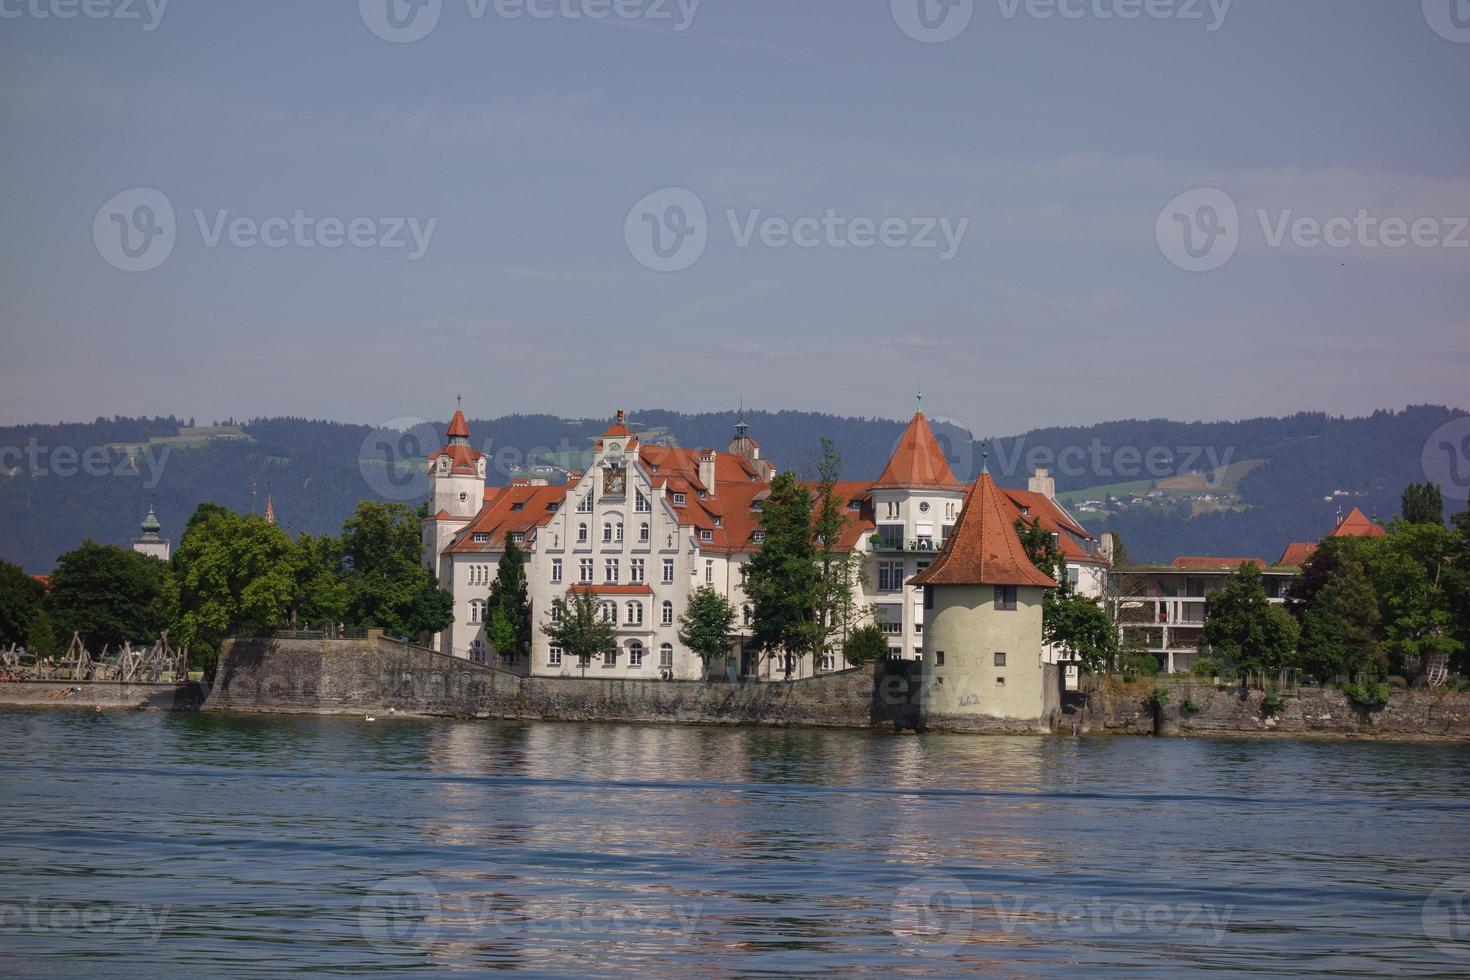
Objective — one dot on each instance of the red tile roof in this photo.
(917, 460)
(1074, 541)
(984, 548)
(1297, 553)
(613, 589)
(1357, 525)
(508, 510)
(458, 426)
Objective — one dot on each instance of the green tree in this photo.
(838, 571)
(579, 627)
(865, 645)
(1423, 504)
(320, 594)
(20, 600)
(388, 587)
(508, 623)
(1412, 569)
(108, 595)
(782, 578)
(1457, 587)
(1074, 622)
(232, 575)
(706, 625)
(42, 640)
(1242, 622)
(1340, 624)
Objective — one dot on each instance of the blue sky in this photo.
(526, 142)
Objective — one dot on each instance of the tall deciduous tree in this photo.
(782, 578)
(579, 627)
(706, 625)
(1243, 624)
(388, 586)
(1069, 620)
(108, 595)
(320, 596)
(1423, 504)
(20, 601)
(1411, 569)
(838, 571)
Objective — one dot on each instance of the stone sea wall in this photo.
(108, 694)
(1419, 713)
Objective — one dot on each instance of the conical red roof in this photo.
(917, 460)
(984, 548)
(458, 426)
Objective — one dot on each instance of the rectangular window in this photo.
(553, 656)
(666, 655)
(928, 597)
(481, 537)
(1000, 682)
(709, 571)
(890, 618)
(635, 657)
(705, 534)
(635, 574)
(1074, 575)
(679, 499)
(668, 571)
(758, 537)
(1005, 597)
(610, 571)
(584, 570)
(890, 537)
(890, 576)
(1000, 660)
(668, 613)
(828, 662)
(610, 658)
(556, 569)
(939, 658)
(641, 506)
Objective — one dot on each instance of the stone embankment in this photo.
(108, 694)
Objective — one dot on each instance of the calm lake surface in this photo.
(187, 845)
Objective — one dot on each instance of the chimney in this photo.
(1042, 482)
(707, 470)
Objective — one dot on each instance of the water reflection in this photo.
(339, 844)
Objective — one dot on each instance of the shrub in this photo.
(1272, 702)
(1188, 706)
(1157, 700)
(1141, 665)
(1398, 682)
(1367, 696)
(1205, 667)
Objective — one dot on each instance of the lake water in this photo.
(181, 845)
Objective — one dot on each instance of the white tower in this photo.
(150, 543)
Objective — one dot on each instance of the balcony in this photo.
(888, 546)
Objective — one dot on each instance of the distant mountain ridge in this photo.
(50, 501)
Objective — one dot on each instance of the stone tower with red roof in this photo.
(456, 494)
(982, 663)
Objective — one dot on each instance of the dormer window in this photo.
(719, 522)
(705, 534)
(482, 537)
(518, 506)
(553, 507)
(679, 499)
(759, 537)
(854, 505)
(702, 495)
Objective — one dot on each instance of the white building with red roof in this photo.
(647, 524)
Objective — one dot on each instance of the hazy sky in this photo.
(1046, 146)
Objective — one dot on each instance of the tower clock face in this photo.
(463, 496)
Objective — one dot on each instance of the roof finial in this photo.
(985, 459)
(921, 402)
(459, 400)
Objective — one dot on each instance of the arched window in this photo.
(477, 610)
(620, 531)
(668, 613)
(610, 612)
(748, 614)
(582, 533)
(643, 531)
(606, 531)
(635, 654)
(635, 614)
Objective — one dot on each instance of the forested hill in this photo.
(1171, 488)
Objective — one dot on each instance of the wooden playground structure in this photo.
(158, 664)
